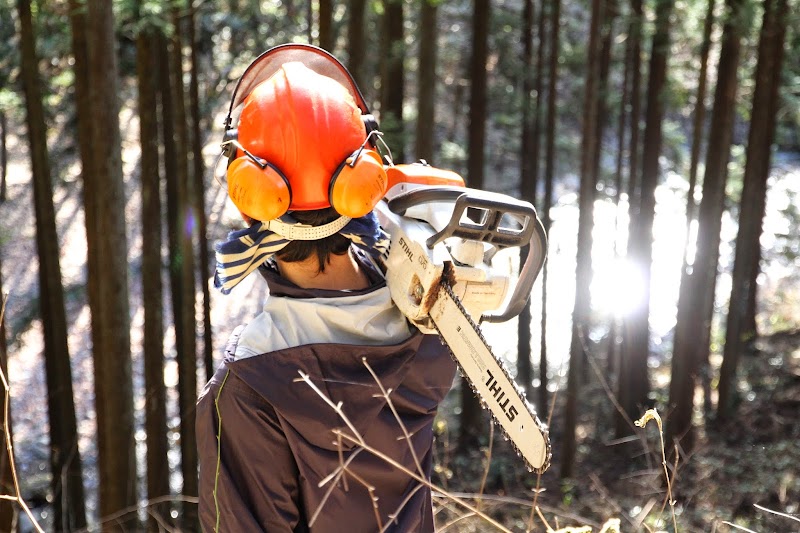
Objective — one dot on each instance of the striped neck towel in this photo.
(247, 249)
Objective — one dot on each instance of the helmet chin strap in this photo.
(289, 228)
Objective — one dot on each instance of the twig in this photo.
(488, 464)
(394, 515)
(134, 508)
(336, 407)
(537, 490)
(606, 387)
(7, 434)
(385, 394)
(790, 517)
(338, 473)
(652, 414)
(737, 527)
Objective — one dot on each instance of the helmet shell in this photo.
(305, 124)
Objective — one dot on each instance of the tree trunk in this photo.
(111, 311)
(696, 298)
(549, 172)
(583, 272)
(754, 192)
(471, 413)
(635, 35)
(65, 460)
(8, 509)
(182, 267)
(426, 117)
(634, 384)
(355, 40)
(614, 330)
(392, 78)
(199, 189)
(3, 156)
(529, 166)
(699, 116)
(152, 291)
(326, 39)
(606, 34)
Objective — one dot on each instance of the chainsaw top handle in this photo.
(492, 208)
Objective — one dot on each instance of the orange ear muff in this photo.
(260, 193)
(358, 184)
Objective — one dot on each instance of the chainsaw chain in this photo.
(444, 285)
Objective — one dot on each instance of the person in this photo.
(330, 371)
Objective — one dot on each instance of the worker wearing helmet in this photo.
(302, 426)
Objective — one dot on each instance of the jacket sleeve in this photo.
(248, 476)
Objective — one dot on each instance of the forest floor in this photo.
(741, 472)
(751, 461)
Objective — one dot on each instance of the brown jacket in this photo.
(265, 438)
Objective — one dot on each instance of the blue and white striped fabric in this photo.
(247, 249)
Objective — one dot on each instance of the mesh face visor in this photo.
(312, 57)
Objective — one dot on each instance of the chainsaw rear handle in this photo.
(488, 229)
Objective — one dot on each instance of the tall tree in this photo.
(699, 115)
(179, 195)
(199, 189)
(756, 172)
(634, 385)
(696, 297)
(426, 118)
(155, 396)
(3, 155)
(66, 482)
(615, 339)
(529, 167)
(471, 415)
(549, 172)
(104, 200)
(325, 14)
(583, 272)
(635, 36)
(355, 40)
(393, 77)
(8, 511)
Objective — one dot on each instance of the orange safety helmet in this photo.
(303, 140)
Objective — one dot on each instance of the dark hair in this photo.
(323, 248)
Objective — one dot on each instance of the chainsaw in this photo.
(439, 272)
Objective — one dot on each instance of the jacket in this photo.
(270, 459)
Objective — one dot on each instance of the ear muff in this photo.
(261, 193)
(358, 184)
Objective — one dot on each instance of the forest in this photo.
(659, 141)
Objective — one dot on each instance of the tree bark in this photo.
(152, 290)
(549, 172)
(393, 78)
(756, 173)
(3, 156)
(471, 413)
(199, 189)
(635, 35)
(182, 267)
(699, 116)
(634, 384)
(65, 460)
(111, 310)
(529, 166)
(356, 45)
(426, 116)
(478, 94)
(696, 298)
(326, 38)
(583, 273)
(8, 509)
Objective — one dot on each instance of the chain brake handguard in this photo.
(492, 207)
